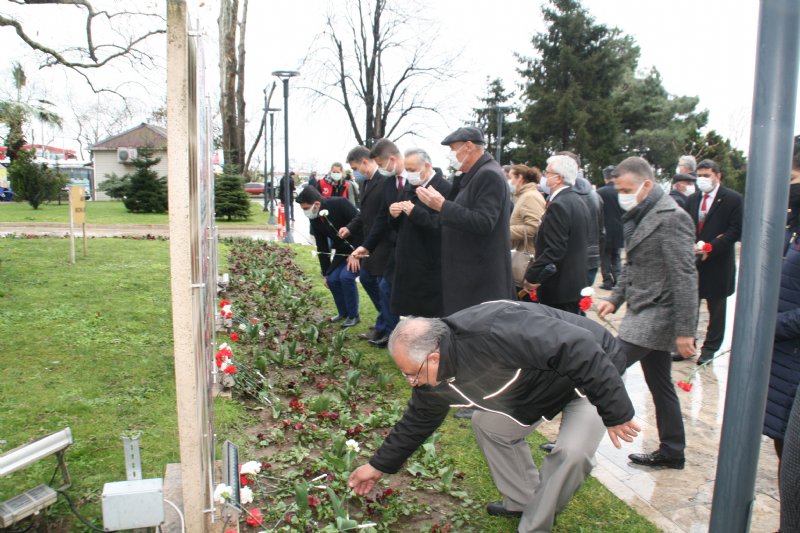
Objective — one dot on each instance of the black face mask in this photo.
(794, 196)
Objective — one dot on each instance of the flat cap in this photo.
(464, 134)
(608, 171)
(683, 177)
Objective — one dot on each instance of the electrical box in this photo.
(133, 504)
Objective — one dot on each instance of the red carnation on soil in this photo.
(313, 501)
(585, 303)
(254, 518)
(254, 321)
(685, 386)
(234, 336)
(244, 480)
(223, 303)
(230, 369)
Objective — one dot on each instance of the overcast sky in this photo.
(704, 48)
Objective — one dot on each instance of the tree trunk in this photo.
(229, 71)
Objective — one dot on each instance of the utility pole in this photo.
(284, 76)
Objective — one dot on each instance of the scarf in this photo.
(631, 219)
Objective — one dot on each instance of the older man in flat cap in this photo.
(476, 241)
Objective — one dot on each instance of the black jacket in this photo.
(522, 360)
(681, 199)
(372, 203)
(382, 231)
(612, 217)
(561, 259)
(597, 232)
(417, 284)
(722, 228)
(340, 213)
(476, 250)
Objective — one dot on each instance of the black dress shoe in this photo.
(369, 335)
(657, 459)
(607, 287)
(350, 322)
(704, 359)
(497, 509)
(464, 412)
(547, 447)
(380, 342)
(336, 318)
(677, 357)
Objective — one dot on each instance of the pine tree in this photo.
(732, 161)
(568, 87)
(33, 182)
(230, 199)
(495, 100)
(147, 192)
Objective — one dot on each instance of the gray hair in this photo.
(638, 167)
(421, 154)
(564, 166)
(689, 162)
(420, 336)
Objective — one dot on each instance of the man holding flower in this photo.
(659, 283)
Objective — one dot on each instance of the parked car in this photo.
(254, 189)
(6, 194)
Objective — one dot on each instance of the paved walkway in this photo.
(674, 500)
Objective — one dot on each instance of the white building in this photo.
(115, 154)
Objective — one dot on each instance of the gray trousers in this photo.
(540, 494)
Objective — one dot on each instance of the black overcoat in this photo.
(372, 203)
(722, 228)
(561, 242)
(417, 284)
(476, 239)
(325, 230)
(681, 199)
(612, 217)
(382, 231)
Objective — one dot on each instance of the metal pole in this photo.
(265, 150)
(287, 192)
(499, 139)
(271, 169)
(768, 172)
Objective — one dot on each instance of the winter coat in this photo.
(681, 199)
(612, 217)
(560, 265)
(325, 230)
(526, 217)
(522, 360)
(371, 207)
(476, 260)
(659, 280)
(382, 230)
(722, 228)
(785, 369)
(417, 283)
(597, 232)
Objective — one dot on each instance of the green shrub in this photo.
(115, 187)
(33, 182)
(146, 192)
(230, 199)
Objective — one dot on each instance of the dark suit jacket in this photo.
(561, 242)
(612, 217)
(382, 231)
(417, 285)
(372, 203)
(325, 231)
(681, 199)
(722, 228)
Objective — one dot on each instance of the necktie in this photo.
(399, 184)
(703, 211)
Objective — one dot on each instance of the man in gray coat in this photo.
(659, 283)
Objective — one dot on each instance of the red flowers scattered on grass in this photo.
(313, 501)
(254, 517)
(230, 369)
(234, 336)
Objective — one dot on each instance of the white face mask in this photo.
(454, 162)
(413, 178)
(689, 190)
(387, 173)
(705, 184)
(512, 187)
(311, 213)
(629, 201)
(336, 176)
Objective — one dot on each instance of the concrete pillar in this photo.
(190, 393)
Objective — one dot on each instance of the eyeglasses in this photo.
(413, 381)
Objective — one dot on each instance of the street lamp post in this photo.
(284, 76)
(271, 111)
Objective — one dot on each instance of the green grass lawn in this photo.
(88, 346)
(106, 212)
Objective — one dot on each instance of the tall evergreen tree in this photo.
(568, 86)
(230, 199)
(32, 182)
(732, 161)
(147, 192)
(495, 100)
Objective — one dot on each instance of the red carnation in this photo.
(685, 386)
(254, 518)
(228, 314)
(230, 369)
(533, 295)
(234, 336)
(223, 303)
(313, 501)
(585, 303)
(244, 480)
(254, 321)
(707, 248)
